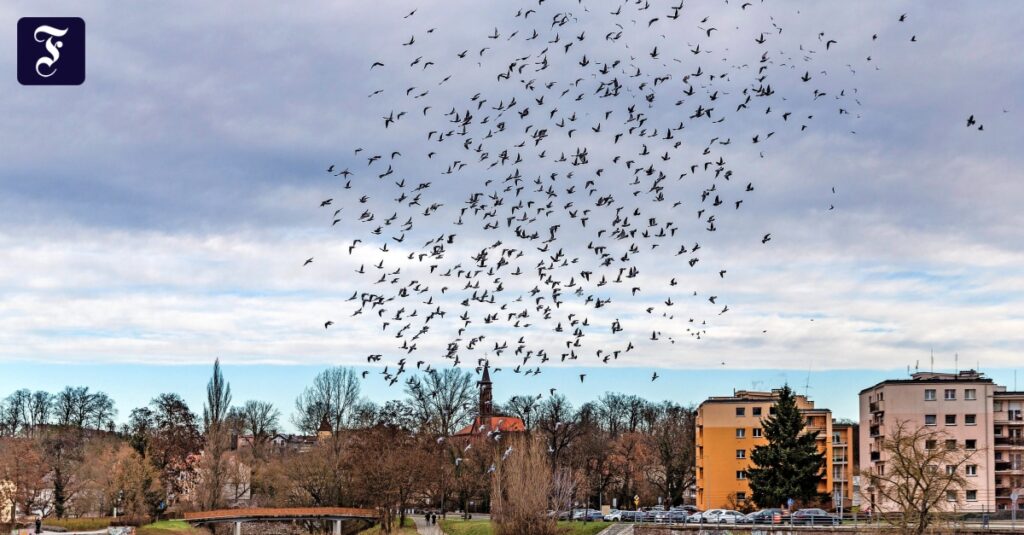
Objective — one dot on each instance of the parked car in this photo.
(690, 509)
(629, 516)
(813, 517)
(580, 514)
(716, 516)
(766, 516)
(677, 516)
(614, 515)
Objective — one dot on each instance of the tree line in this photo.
(66, 457)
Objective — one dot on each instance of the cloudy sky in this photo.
(159, 214)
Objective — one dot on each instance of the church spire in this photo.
(486, 403)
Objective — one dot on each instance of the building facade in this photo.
(845, 457)
(958, 404)
(728, 430)
(1008, 446)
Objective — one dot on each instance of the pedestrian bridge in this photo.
(285, 514)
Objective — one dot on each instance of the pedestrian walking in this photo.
(984, 520)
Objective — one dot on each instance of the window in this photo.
(997, 430)
(756, 432)
(741, 474)
(950, 495)
(929, 444)
(970, 393)
(929, 394)
(999, 456)
(741, 496)
(997, 406)
(756, 411)
(741, 454)
(972, 469)
(970, 419)
(741, 432)
(741, 411)
(771, 410)
(881, 469)
(950, 469)
(972, 495)
(951, 444)
(929, 419)
(971, 444)
(950, 394)
(950, 419)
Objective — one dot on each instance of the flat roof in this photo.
(930, 381)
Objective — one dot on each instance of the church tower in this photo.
(486, 403)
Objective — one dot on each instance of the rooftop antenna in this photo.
(956, 362)
(933, 360)
(807, 383)
(917, 365)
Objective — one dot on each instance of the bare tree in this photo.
(218, 399)
(443, 401)
(334, 395)
(922, 472)
(260, 420)
(525, 408)
(560, 427)
(78, 408)
(672, 439)
(214, 469)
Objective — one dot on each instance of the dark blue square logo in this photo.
(51, 51)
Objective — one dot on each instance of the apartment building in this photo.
(1008, 446)
(960, 405)
(728, 430)
(845, 457)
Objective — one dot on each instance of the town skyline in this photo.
(836, 390)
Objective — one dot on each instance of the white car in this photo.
(716, 516)
(613, 516)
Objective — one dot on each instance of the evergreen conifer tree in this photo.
(789, 465)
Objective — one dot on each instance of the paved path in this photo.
(424, 528)
(618, 529)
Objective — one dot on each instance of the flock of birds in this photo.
(546, 190)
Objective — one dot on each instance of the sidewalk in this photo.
(423, 528)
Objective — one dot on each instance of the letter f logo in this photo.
(51, 51)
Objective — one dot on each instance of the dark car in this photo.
(629, 516)
(813, 517)
(677, 516)
(766, 516)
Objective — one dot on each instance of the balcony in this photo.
(876, 431)
(1009, 441)
(876, 455)
(876, 406)
(1011, 467)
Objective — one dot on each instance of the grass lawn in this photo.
(408, 529)
(79, 524)
(483, 527)
(170, 527)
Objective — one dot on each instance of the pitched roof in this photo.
(502, 424)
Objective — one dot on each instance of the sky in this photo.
(157, 217)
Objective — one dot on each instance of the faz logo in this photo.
(51, 51)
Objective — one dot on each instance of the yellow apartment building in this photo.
(728, 430)
(845, 457)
